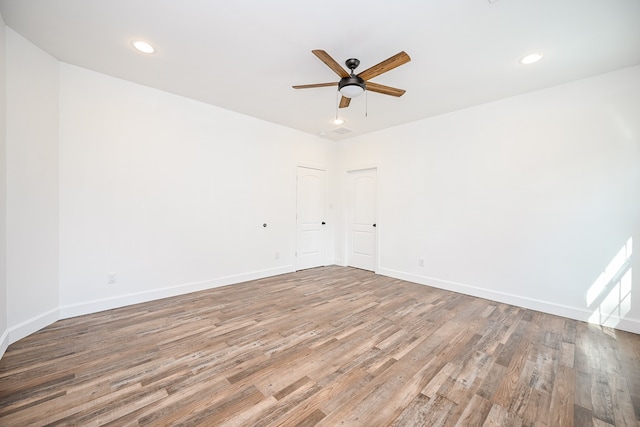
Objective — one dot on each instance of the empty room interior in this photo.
(403, 214)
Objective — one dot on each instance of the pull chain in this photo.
(366, 103)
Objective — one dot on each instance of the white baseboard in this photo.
(26, 328)
(4, 343)
(87, 307)
(629, 325)
(576, 313)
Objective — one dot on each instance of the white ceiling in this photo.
(245, 55)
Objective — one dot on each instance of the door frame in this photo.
(348, 208)
(294, 253)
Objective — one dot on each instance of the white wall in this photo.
(32, 186)
(525, 200)
(3, 194)
(169, 193)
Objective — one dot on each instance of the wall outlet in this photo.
(112, 279)
(277, 255)
(421, 262)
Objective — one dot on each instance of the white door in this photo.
(361, 229)
(310, 218)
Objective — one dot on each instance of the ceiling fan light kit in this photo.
(352, 85)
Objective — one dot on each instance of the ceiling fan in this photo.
(351, 84)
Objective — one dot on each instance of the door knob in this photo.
(323, 223)
(374, 225)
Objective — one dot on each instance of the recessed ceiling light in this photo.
(338, 121)
(531, 58)
(143, 47)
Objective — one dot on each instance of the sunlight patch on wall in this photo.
(610, 295)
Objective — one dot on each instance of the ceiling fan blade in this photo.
(344, 102)
(386, 65)
(315, 85)
(331, 63)
(386, 90)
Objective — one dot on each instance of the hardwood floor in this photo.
(328, 346)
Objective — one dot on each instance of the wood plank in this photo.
(537, 411)
(423, 411)
(582, 417)
(562, 397)
(623, 411)
(602, 398)
(583, 390)
(500, 417)
(475, 413)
